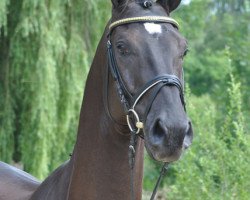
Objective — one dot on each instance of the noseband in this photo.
(129, 101)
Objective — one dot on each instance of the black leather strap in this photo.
(162, 174)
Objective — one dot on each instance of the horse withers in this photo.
(138, 68)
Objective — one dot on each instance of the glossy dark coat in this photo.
(98, 168)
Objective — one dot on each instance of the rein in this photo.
(129, 101)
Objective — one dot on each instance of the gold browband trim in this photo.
(143, 19)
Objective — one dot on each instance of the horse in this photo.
(133, 98)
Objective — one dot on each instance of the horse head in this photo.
(146, 59)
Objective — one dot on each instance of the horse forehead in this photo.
(153, 28)
(149, 34)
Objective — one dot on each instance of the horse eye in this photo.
(122, 48)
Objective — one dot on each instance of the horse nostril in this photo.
(160, 130)
(188, 136)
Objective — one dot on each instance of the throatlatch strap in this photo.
(132, 146)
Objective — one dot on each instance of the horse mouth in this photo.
(168, 154)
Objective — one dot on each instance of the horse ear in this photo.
(117, 3)
(170, 5)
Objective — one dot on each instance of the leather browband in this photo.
(143, 19)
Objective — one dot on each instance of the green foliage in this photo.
(45, 54)
(3, 13)
(210, 26)
(7, 127)
(7, 117)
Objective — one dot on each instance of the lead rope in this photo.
(162, 174)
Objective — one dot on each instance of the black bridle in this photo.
(129, 101)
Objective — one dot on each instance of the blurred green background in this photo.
(46, 49)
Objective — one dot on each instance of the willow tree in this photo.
(45, 50)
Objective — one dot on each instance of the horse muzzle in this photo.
(166, 143)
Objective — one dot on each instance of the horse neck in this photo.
(100, 157)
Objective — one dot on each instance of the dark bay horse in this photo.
(137, 68)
